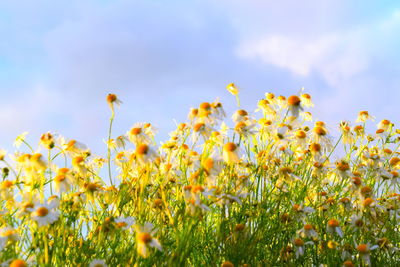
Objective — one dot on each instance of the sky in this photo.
(59, 60)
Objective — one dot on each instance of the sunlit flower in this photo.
(18, 263)
(308, 231)
(137, 134)
(44, 213)
(7, 235)
(74, 147)
(145, 239)
(384, 125)
(79, 165)
(232, 88)
(124, 223)
(97, 263)
(145, 154)
(364, 251)
(112, 100)
(240, 115)
(363, 116)
(306, 100)
(293, 103)
(3, 154)
(299, 245)
(20, 139)
(64, 180)
(333, 226)
(230, 153)
(47, 140)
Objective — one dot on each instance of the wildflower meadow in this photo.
(263, 187)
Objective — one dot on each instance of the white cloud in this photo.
(334, 56)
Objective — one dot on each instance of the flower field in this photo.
(262, 187)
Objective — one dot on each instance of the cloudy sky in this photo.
(59, 60)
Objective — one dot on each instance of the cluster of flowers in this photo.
(268, 189)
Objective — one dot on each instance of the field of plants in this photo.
(262, 187)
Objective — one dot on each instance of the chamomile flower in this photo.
(364, 252)
(294, 106)
(233, 89)
(363, 116)
(145, 239)
(240, 115)
(74, 147)
(8, 235)
(306, 100)
(112, 100)
(64, 180)
(47, 140)
(333, 226)
(308, 231)
(231, 153)
(20, 139)
(3, 154)
(145, 154)
(124, 223)
(97, 263)
(385, 125)
(44, 213)
(137, 134)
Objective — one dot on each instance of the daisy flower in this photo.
(73, 147)
(124, 223)
(64, 180)
(145, 154)
(97, 263)
(44, 214)
(17, 263)
(333, 226)
(112, 100)
(47, 140)
(3, 154)
(137, 134)
(308, 231)
(306, 100)
(145, 239)
(20, 139)
(233, 89)
(8, 235)
(385, 125)
(364, 252)
(294, 106)
(230, 153)
(363, 116)
(240, 115)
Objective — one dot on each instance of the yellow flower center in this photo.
(230, 147)
(299, 242)
(42, 211)
(142, 149)
(144, 238)
(293, 100)
(333, 223)
(136, 131)
(363, 248)
(18, 263)
(308, 227)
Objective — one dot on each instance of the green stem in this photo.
(109, 149)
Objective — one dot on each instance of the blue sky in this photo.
(59, 59)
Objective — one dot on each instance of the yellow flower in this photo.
(20, 139)
(18, 263)
(3, 154)
(145, 239)
(230, 153)
(111, 100)
(232, 89)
